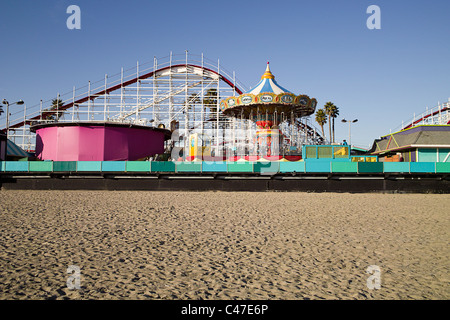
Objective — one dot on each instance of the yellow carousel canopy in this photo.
(268, 97)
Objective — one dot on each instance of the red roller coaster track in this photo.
(431, 114)
(124, 84)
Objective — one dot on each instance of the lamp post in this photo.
(5, 102)
(349, 129)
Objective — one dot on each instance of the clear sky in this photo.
(321, 48)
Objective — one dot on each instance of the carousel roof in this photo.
(268, 84)
(268, 97)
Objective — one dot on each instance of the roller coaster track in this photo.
(155, 101)
(443, 109)
(205, 71)
(310, 131)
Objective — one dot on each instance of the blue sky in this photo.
(320, 48)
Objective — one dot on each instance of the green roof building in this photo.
(423, 143)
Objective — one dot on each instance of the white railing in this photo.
(438, 115)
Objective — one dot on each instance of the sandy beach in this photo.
(223, 245)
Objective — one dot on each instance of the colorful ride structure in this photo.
(268, 105)
(157, 106)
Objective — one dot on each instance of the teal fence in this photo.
(396, 166)
(318, 166)
(321, 166)
(240, 167)
(40, 166)
(297, 166)
(162, 166)
(113, 166)
(266, 167)
(214, 167)
(16, 166)
(188, 166)
(89, 166)
(442, 167)
(137, 166)
(64, 166)
(422, 167)
(344, 167)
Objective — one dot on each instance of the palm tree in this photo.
(210, 100)
(192, 100)
(332, 112)
(327, 108)
(56, 104)
(321, 119)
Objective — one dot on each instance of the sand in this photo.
(223, 245)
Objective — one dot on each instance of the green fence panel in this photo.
(210, 166)
(60, 166)
(396, 166)
(89, 166)
(162, 166)
(297, 166)
(41, 166)
(442, 167)
(2, 165)
(266, 167)
(113, 166)
(188, 166)
(138, 166)
(370, 167)
(351, 167)
(310, 152)
(423, 167)
(317, 166)
(325, 152)
(240, 166)
(16, 166)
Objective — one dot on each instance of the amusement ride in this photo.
(172, 100)
(269, 106)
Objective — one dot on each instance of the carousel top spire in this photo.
(267, 74)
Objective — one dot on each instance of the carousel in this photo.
(268, 105)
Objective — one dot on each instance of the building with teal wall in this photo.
(424, 143)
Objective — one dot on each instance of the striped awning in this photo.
(268, 97)
(268, 84)
(14, 150)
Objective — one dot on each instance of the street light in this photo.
(349, 129)
(7, 120)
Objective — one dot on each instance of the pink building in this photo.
(97, 141)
